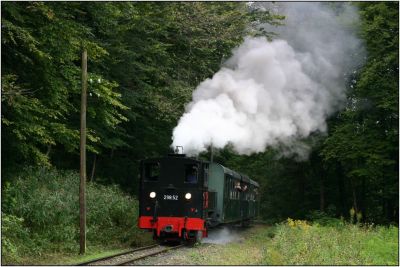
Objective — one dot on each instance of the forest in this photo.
(145, 59)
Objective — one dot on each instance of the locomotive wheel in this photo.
(196, 238)
(184, 238)
(160, 241)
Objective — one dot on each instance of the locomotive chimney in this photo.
(177, 149)
(211, 154)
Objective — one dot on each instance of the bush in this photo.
(42, 205)
(322, 218)
(12, 231)
(299, 242)
(112, 214)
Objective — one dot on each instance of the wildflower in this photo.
(290, 222)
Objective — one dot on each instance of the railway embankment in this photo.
(293, 243)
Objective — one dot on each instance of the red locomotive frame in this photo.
(173, 225)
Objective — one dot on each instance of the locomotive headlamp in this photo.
(152, 194)
(188, 196)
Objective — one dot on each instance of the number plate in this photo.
(170, 197)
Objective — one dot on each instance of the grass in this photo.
(63, 258)
(299, 243)
(246, 251)
(67, 257)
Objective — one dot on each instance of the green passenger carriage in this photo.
(234, 194)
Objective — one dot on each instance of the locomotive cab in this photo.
(172, 197)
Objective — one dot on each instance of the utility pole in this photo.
(82, 186)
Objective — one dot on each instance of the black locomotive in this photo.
(182, 197)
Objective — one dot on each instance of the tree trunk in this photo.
(383, 208)
(342, 191)
(301, 189)
(390, 210)
(363, 199)
(93, 168)
(353, 189)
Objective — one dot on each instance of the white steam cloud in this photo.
(222, 236)
(273, 94)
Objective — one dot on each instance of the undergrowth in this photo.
(299, 242)
(40, 215)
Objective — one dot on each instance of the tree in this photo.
(364, 140)
(41, 77)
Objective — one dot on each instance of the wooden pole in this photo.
(82, 197)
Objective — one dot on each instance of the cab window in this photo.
(191, 174)
(152, 171)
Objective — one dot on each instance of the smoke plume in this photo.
(276, 93)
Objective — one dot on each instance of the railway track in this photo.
(129, 257)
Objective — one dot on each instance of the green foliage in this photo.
(112, 214)
(322, 218)
(298, 243)
(364, 137)
(12, 233)
(41, 82)
(41, 214)
(28, 124)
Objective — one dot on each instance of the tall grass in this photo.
(300, 243)
(40, 214)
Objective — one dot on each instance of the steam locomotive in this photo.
(180, 197)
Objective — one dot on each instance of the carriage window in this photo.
(229, 187)
(191, 174)
(152, 171)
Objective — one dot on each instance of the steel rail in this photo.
(116, 255)
(148, 255)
